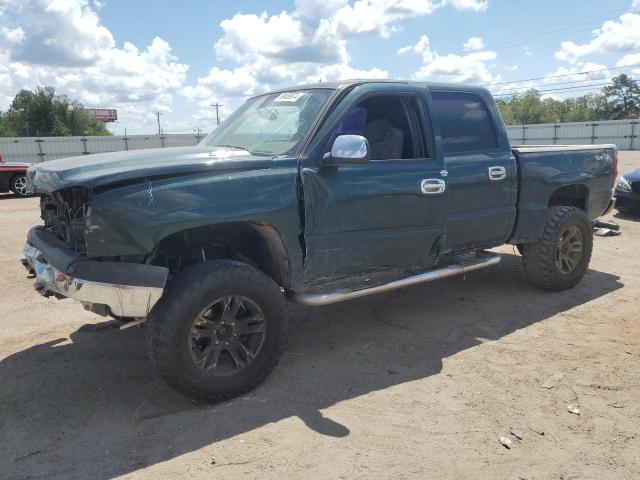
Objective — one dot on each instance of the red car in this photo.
(13, 177)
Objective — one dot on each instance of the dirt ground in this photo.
(419, 383)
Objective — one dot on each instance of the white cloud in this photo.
(586, 72)
(477, 5)
(469, 68)
(612, 37)
(62, 44)
(57, 33)
(632, 59)
(12, 35)
(635, 5)
(474, 43)
(343, 71)
(306, 44)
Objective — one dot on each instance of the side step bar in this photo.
(317, 299)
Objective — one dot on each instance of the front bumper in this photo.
(116, 288)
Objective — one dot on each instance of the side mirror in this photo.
(347, 150)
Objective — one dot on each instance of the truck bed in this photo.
(548, 168)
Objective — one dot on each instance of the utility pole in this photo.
(158, 118)
(217, 107)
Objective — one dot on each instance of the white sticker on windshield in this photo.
(289, 96)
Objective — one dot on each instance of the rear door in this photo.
(481, 171)
(387, 214)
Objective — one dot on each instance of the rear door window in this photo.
(465, 122)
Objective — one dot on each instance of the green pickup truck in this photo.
(315, 194)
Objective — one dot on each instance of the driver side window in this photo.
(390, 123)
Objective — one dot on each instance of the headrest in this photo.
(377, 130)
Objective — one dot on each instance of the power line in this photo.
(522, 38)
(562, 75)
(563, 89)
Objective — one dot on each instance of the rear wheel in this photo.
(561, 257)
(19, 186)
(218, 331)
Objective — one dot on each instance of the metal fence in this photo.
(625, 134)
(40, 149)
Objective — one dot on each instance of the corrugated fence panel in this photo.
(182, 140)
(573, 133)
(617, 131)
(19, 149)
(59, 147)
(30, 149)
(625, 134)
(138, 142)
(105, 144)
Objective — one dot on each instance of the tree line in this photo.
(617, 101)
(43, 113)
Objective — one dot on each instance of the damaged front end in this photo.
(65, 214)
(56, 255)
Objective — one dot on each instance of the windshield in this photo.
(271, 124)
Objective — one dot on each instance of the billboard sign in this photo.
(103, 114)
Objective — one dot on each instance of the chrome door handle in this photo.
(432, 186)
(497, 173)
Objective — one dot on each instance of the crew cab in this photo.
(316, 195)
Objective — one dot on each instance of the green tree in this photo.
(530, 108)
(46, 114)
(522, 109)
(623, 97)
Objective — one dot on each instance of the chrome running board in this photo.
(464, 266)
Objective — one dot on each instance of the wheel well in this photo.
(256, 244)
(19, 174)
(571, 196)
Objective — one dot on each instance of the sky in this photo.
(179, 57)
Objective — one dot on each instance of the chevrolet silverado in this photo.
(316, 195)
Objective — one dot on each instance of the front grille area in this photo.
(635, 186)
(64, 214)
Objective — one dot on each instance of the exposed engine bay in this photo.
(64, 213)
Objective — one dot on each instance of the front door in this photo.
(384, 215)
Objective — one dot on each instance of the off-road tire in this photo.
(170, 322)
(540, 258)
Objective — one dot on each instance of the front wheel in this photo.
(218, 331)
(561, 257)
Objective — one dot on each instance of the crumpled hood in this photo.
(106, 168)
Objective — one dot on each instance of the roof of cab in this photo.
(340, 84)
